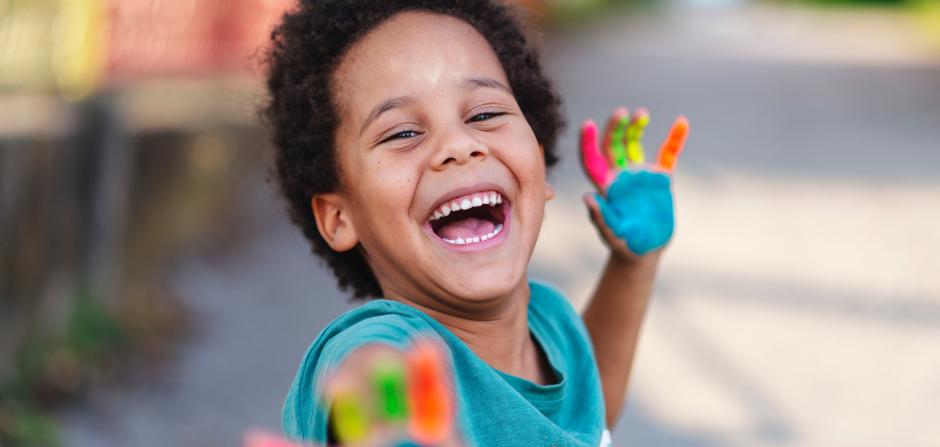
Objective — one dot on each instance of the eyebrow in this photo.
(475, 83)
(385, 106)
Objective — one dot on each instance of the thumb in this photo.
(595, 210)
(260, 438)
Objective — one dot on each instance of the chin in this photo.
(488, 284)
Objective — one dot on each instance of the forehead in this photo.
(413, 53)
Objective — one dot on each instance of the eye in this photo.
(484, 116)
(400, 135)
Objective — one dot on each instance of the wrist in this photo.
(632, 263)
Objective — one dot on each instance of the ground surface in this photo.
(798, 305)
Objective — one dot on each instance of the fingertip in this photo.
(588, 134)
(682, 123)
(588, 199)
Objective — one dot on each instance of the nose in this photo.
(457, 146)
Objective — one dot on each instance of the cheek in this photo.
(524, 158)
(387, 186)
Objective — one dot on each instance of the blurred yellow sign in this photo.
(51, 45)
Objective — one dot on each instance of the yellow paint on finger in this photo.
(635, 151)
(349, 418)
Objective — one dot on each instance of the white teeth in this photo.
(475, 239)
(491, 198)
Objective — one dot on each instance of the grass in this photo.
(50, 369)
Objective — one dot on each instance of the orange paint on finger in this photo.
(675, 141)
(429, 396)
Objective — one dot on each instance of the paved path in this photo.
(799, 304)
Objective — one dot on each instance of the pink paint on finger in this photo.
(258, 438)
(594, 162)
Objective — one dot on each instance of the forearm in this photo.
(614, 317)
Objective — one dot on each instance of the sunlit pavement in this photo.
(798, 305)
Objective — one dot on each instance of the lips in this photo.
(469, 219)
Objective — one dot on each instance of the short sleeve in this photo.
(304, 415)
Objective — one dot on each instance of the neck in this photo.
(500, 336)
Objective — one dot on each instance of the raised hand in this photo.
(633, 209)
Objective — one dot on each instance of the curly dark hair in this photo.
(308, 45)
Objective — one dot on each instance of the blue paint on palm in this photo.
(639, 209)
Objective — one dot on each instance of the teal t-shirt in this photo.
(494, 408)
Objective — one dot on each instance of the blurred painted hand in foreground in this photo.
(383, 397)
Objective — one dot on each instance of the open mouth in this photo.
(470, 219)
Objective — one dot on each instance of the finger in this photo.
(348, 414)
(635, 132)
(429, 395)
(258, 438)
(613, 136)
(672, 147)
(388, 383)
(355, 406)
(601, 214)
(592, 160)
(591, 200)
(618, 146)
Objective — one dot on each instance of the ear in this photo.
(334, 221)
(549, 191)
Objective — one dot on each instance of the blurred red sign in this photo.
(185, 37)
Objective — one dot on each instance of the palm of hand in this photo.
(639, 209)
(634, 207)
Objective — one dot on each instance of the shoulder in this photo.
(376, 322)
(551, 313)
(548, 299)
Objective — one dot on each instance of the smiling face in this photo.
(443, 181)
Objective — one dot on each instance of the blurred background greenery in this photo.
(130, 148)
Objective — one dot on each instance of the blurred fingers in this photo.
(672, 146)
(258, 438)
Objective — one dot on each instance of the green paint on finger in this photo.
(389, 381)
(618, 149)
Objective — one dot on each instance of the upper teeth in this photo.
(474, 200)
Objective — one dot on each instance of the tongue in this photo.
(466, 228)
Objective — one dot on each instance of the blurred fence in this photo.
(121, 125)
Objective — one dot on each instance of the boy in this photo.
(412, 144)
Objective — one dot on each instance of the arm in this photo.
(633, 213)
(613, 318)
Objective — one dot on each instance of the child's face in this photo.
(427, 119)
